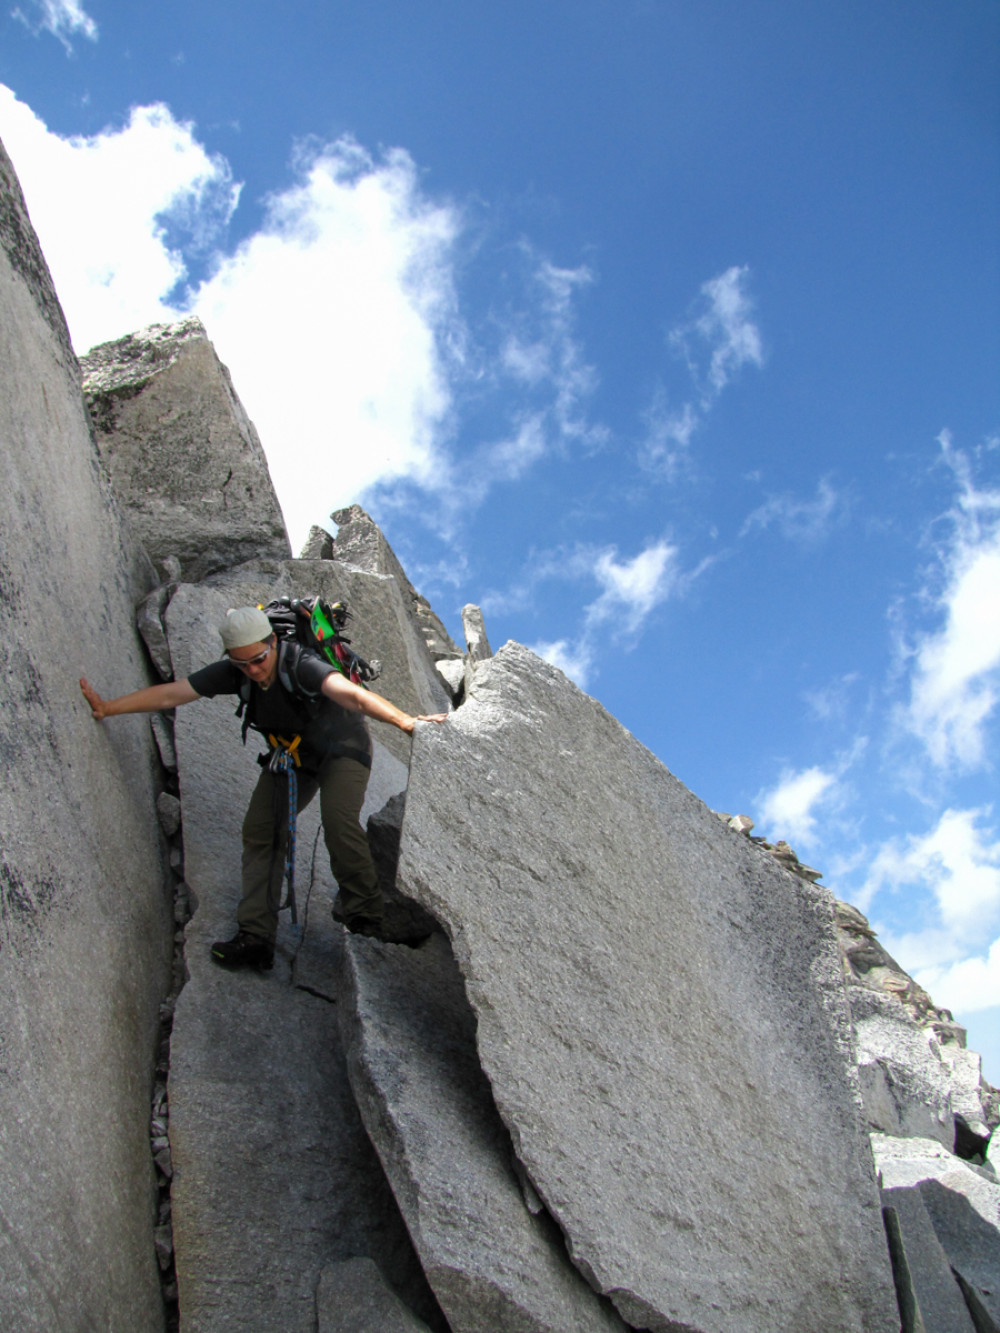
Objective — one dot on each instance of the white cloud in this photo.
(727, 327)
(575, 660)
(956, 667)
(789, 809)
(632, 589)
(804, 521)
(62, 18)
(109, 259)
(715, 345)
(958, 863)
(967, 986)
(328, 318)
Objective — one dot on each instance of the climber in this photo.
(332, 749)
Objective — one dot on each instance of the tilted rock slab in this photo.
(963, 1203)
(411, 1051)
(85, 902)
(182, 452)
(661, 1014)
(274, 1177)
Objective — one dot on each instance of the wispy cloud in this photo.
(807, 522)
(955, 679)
(64, 19)
(630, 591)
(715, 344)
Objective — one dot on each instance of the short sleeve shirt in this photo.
(327, 729)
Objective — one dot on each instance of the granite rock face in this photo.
(409, 1035)
(84, 888)
(360, 542)
(695, 970)
(182, 453)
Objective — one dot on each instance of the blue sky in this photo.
(667, 333)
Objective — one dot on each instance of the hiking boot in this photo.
(244, 950)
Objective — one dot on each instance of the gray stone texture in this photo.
(183, 455)
(409, 1035)
(274, 1177)
(353, 1297)
(963, 1202)
(475, 634)
(661, 1014)
(149, 619)
(84, 891)
(930, 1300)
(360, 542)
(406, 922)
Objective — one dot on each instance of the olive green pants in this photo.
(341, 785)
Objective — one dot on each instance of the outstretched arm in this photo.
(152, 699)
(351, 696)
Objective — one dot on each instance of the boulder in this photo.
(410, 1040)
(86, 905)
(661, 1014)
(183, 455)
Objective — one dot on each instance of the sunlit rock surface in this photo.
(85, 898)
(661, 1014)
(409, 1035)
(183, 455)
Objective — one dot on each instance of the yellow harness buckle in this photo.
(291, 748)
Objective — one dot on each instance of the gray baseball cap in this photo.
(244, 625)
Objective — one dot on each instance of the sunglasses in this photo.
(245, 663)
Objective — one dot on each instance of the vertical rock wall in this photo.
(85, 916)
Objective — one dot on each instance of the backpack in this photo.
(309, 624)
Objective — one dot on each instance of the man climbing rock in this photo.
(314, 719)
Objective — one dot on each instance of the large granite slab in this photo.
(661, 1014)
(85, 897)
(409, 1035)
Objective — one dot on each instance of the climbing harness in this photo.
(285, 759)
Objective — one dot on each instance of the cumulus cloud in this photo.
(958, 864)
(62, 18)
(329, 317)
(110, 260)
(715, 344)
(803, 521)
(955, 679)
(789, 808)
